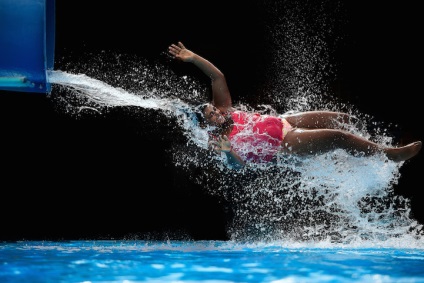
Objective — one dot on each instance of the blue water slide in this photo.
(27, 40)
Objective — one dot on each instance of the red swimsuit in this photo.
(257, 137)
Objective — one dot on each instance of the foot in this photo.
(405, 152)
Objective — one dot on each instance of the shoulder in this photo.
(228, 111)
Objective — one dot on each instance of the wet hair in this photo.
(199, 111)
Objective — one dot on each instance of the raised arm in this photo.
(221, 97)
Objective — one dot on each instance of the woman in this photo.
(246, 137)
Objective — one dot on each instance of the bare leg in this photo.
(404, 152)
(320, 119)
(317, 141)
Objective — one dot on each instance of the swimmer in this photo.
(305, 133)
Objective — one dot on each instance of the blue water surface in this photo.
(203, 261)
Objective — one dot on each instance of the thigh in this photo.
(318, 119)
(306, 141)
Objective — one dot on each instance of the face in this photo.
(213, 116)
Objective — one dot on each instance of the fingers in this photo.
(224, 143)
(214, 145)
(175, 50)
(224, 139)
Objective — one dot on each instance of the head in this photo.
(210, 115)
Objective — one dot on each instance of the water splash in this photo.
(334, 197)
(328, 199)
(102, 94)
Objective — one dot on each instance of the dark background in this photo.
(67, 178)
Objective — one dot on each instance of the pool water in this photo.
(204, 261)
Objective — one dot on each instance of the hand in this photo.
(221, 144)
(225, 143)
(180, 52)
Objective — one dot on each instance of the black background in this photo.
(64, 178)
